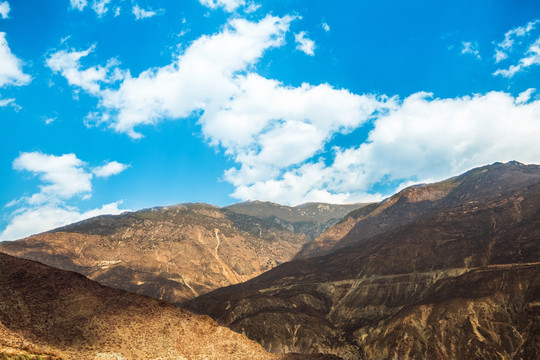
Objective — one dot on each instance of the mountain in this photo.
(47, 313)
(172, 253)
(459, 281)
(419, 201)
(309, 218)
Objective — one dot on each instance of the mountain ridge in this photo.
(377, 298)
(172, 252)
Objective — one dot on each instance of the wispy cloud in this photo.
(100, 7)
(141, 13)
(470, 48)
(78, 4)
(227, 5)
(531, 58)
(304, 44)
(521, 44)
(325, 26)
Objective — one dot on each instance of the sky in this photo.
(115, 105)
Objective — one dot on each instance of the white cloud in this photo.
(422, 140)
(111, 168)
(304, 44)
(141, 13)
(32, 220)
(252, 7)
(49, 120)
(521, 44)
(525, 96)
(279, 135)
(532, 57)
(100, 7)
(470, 47)
(4, 9)
(67, 63)
(11, 67)
(227, 5)
(203, 76)
(78, 4)
(6, 102)
(511, 36)
(264, 125)
(62, 178)
(325, 26)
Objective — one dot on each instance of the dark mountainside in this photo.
(459, 281)
(178, 252)
(58, 314)
(416, 202)
(309, 218)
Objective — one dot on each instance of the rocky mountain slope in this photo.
(172, 253)
(56, 314)
(416, 202)
(309, 218)
(459, 281)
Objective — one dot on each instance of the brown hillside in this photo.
(173, 253)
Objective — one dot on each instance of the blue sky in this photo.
(113, 105)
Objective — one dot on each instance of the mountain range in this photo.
(178, 252)
(443, 271)
(449, 270)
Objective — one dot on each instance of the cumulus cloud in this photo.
(11, 70)
(204, 74)
(64, 175)
(111, 168)
(279, 135)
(62, 178)
(421, 140)
(304, 44)
(227, 5)
(78, 4)
(521, 43)
(4, 9)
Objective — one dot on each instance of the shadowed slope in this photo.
(63, 315)
(460, 283)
